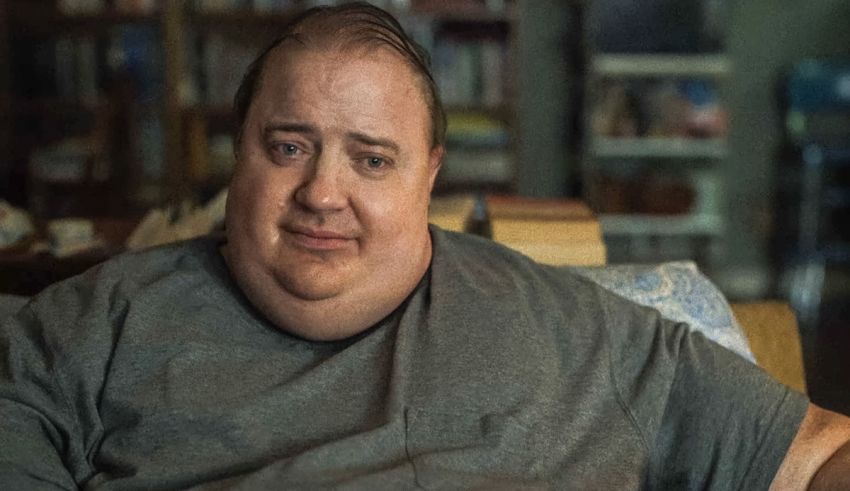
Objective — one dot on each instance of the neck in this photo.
(340, 316)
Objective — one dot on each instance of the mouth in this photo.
(318, 239)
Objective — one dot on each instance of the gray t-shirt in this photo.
(152, 371)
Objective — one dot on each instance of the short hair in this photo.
(357, 23)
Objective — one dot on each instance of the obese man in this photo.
(333, 340)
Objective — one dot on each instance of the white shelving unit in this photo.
(698, 224)
(682, 154)
(657, 65)
(660, 148)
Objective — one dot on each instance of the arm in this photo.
(35, 427)
(819, 456)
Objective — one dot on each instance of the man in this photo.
(334, 341)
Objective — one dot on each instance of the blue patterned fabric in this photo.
(680, 292)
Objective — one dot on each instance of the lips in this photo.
(318, 239)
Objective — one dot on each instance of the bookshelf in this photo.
(664, 65)
(142, 91)
(83, 92)
(655, 127)
(5, 102)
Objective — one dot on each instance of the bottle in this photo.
(478, 222)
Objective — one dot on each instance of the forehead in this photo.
(359, 79)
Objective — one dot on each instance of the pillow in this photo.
(680, 292)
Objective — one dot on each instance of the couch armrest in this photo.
(771, 329)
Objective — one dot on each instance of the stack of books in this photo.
(451, 212)
(559, 232)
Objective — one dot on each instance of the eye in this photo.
(375, 162)
(288, 149)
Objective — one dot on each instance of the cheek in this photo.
(394, 213)
(262, 197)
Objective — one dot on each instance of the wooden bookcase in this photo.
(125, 102)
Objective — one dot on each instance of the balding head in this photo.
(347, 28)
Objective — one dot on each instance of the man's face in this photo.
(330, 196)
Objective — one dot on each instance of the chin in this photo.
(309, 287)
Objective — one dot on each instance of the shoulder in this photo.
(489, 262)
(476, 267)
(151, 264)
(483, 261)
(106, 289)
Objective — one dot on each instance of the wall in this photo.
(543, 95)
(765, 38)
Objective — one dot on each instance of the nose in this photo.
(321, 190)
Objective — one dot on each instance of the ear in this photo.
(435, 161)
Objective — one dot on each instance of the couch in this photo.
(766, 333)
(771, 329)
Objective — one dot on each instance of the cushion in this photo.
(771, 329)
(680, 293)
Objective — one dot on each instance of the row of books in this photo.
(82, 68)
(210, 6)
(470, 72)
(83, 7)
(397, 5)
(230, 5)
(218, 68)
(551, 231)
(688, 108)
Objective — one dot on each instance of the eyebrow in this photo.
(312, 130)
(290, 128)
(374, 141)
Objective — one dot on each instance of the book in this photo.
(550, 231)
(451, 212)
(470, 72)
(79, 7)
(578, 253)
(76, 70)
(539, 208)
(473, 165)
(225, 60)
(548, 221)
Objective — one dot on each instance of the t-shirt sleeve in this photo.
(709, 418)
(53, 354)
(35, 428)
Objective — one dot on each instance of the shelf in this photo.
(465, 15)
(52, 104)
(651, 65)
(453, 187)
(237, 18)
(662, 148)
(38, 24)
(836, 197)
(815, 154)
(662, 225)
(502, 112)
(34, 22)
(213, 111)
(241, 19)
